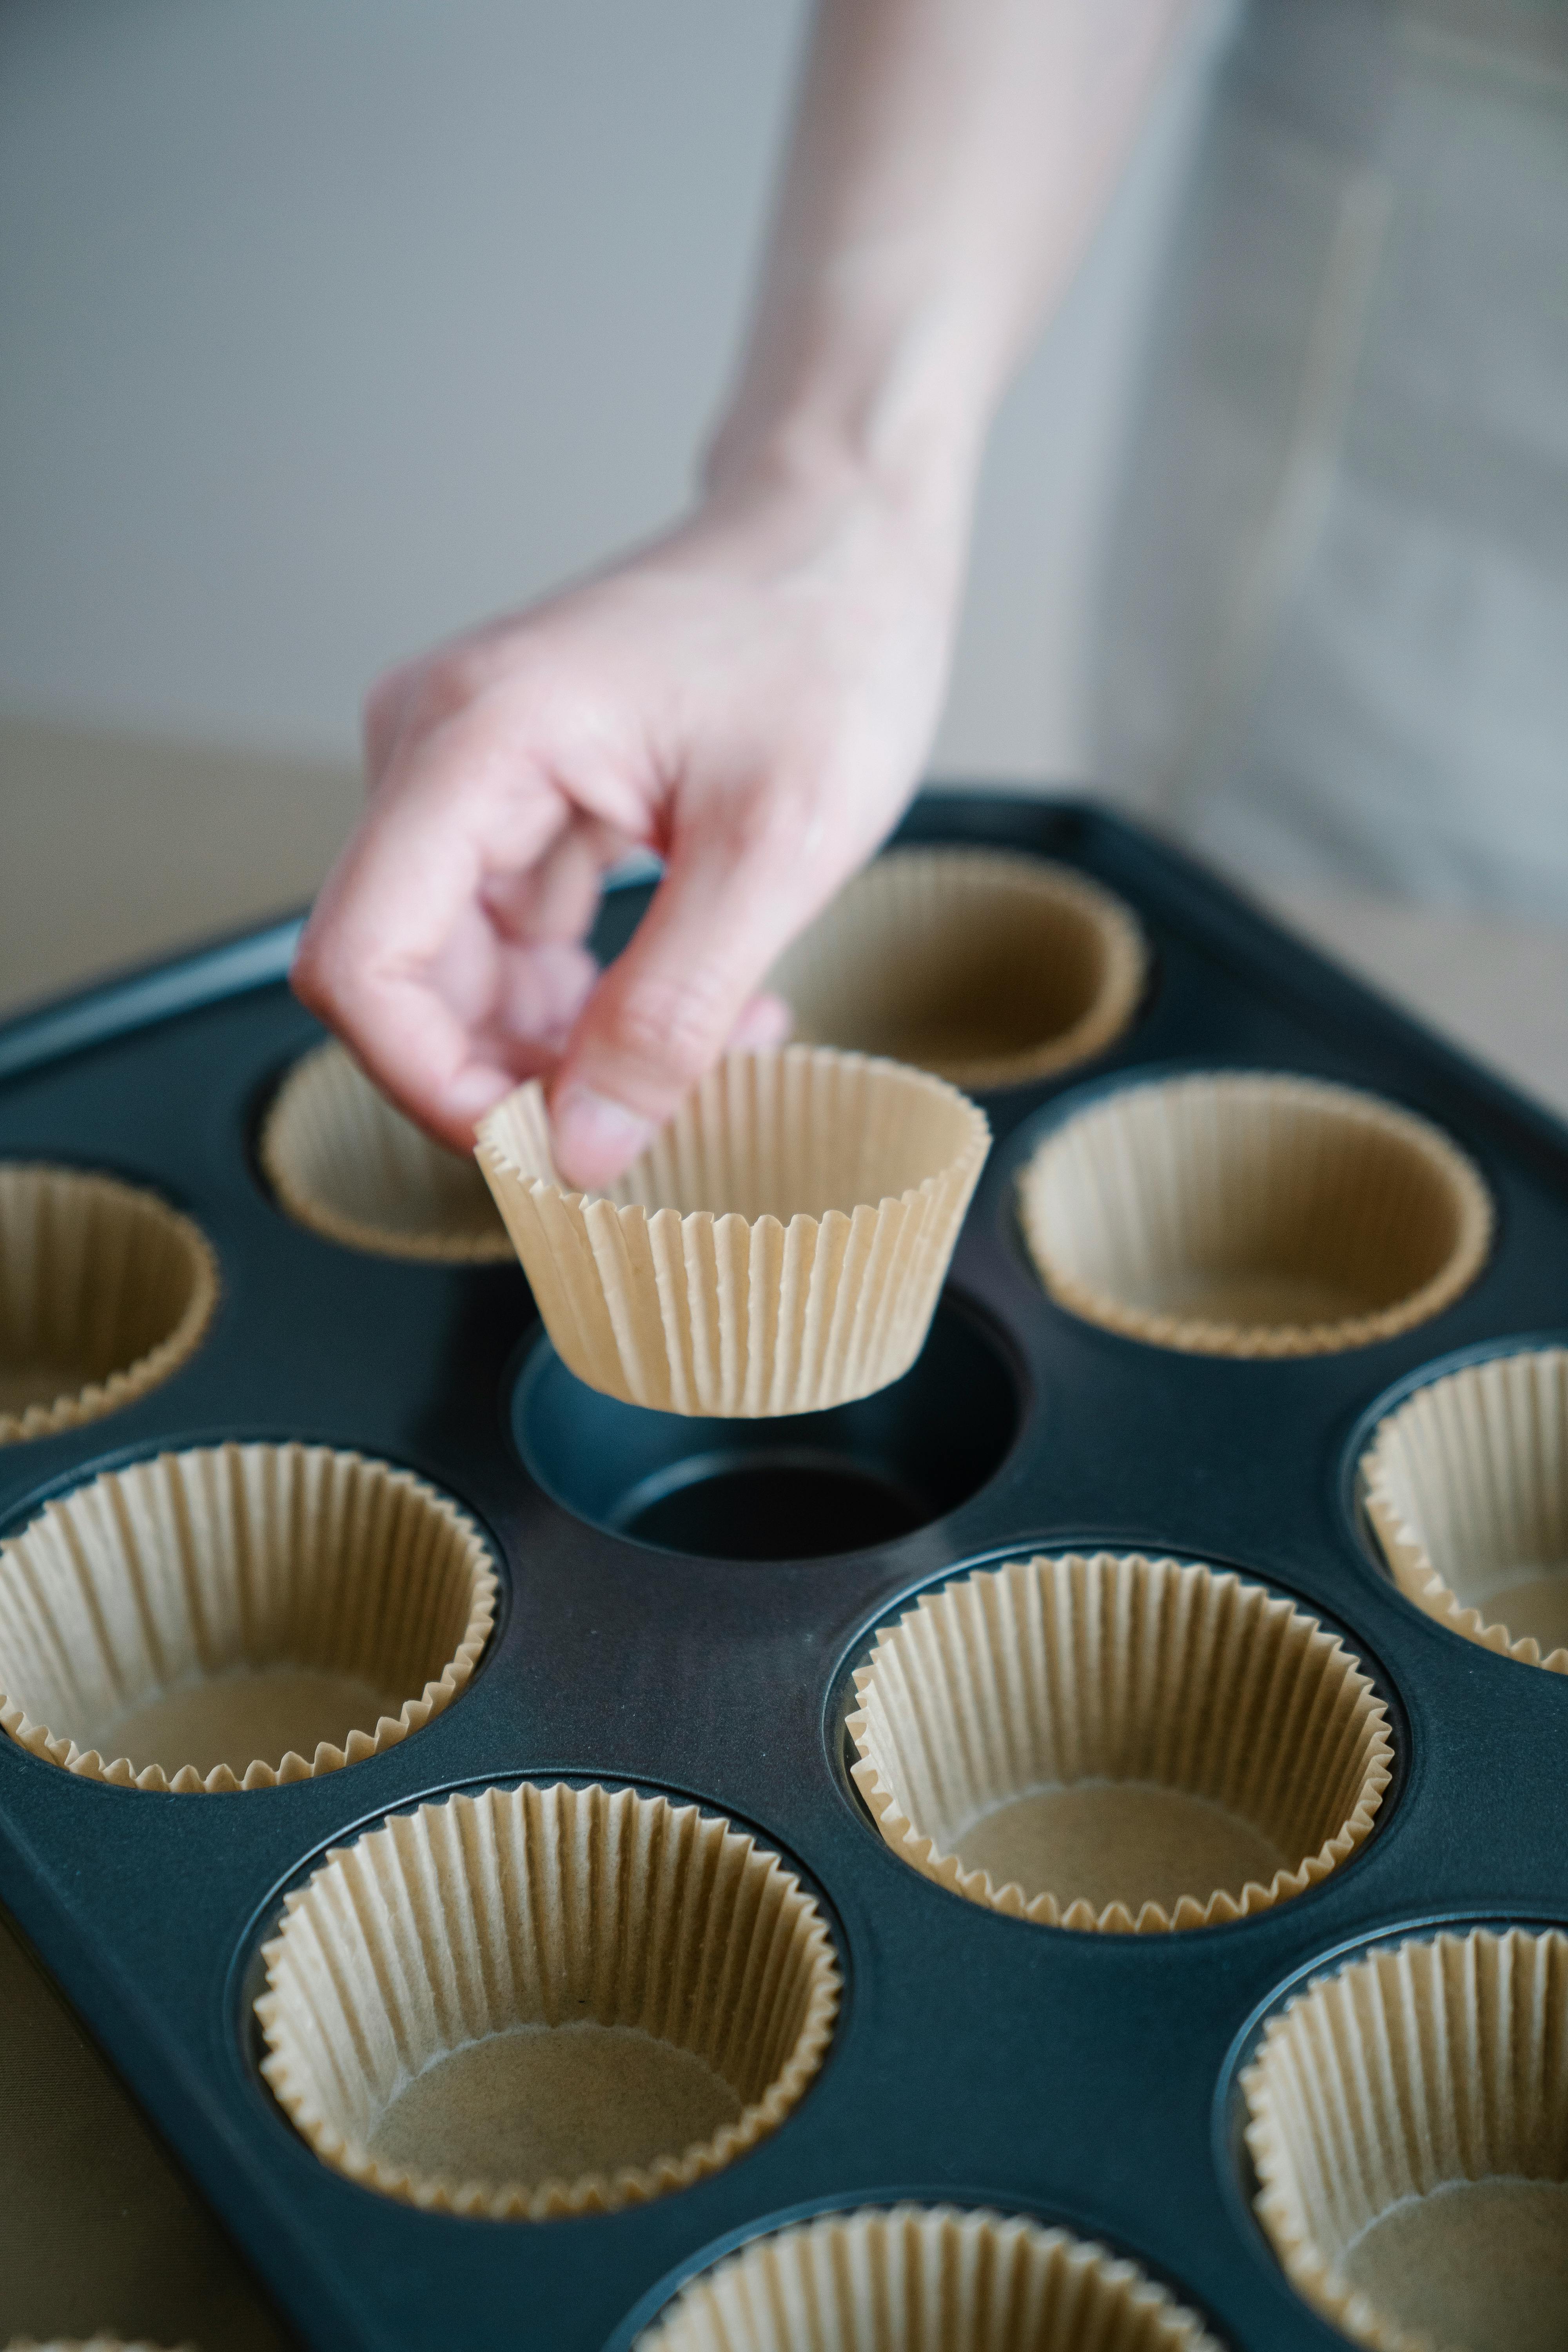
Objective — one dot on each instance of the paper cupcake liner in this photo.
(104, 1292)
(1398, 2079)
(1466, 1489)
(988, 969)
(462, 1927)
(86, 2344)
(778, 1248)
(1152, 1716)
(919, 2278)
(1250, 1215)
(230, 1593)
(341, 1159)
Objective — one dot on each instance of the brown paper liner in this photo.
(778, 1248)
(1144, 1716)
(342, 1160)
(986, 968)
(563, 1910)
(1251, 1214)
(919, 2278)
(1466, 1489)
(104, 1292)
(235, 1590)
(86, 2344)
(1403, 2077)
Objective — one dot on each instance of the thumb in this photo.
(733, 895)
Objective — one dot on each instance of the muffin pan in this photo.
(805, 2050)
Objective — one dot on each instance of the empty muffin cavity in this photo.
(1118, 1743)
(104, 1292)
(545, 2000)
(1252, 1214)
(237, 1615)
(919, 2278)
(778, 1248)
(1409, 2127)
(342, 1160)
(1466, 1489)
(988, 968)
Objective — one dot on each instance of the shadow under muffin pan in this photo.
(678, 1611)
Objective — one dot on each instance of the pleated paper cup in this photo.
(778, 1248)
(1118, 1743)
(545, 2000)
(1409, 2128)
(236, 1616)
(1253, 1214)
(988, 968)
(341, 1159)
(1466, 1489)
(104, 1292)
(925, 2279)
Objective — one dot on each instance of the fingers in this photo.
(398, 954)
(738, 887)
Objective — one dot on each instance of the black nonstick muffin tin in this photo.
(684, 1603)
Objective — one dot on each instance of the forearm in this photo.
(949, 161)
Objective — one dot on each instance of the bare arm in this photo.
(753, 694)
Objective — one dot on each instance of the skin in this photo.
(751, 696)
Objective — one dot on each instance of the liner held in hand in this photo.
(227, 1576)
(542, 1910)
(919, 2278)
(1466, 1489)
(1145, 1681)
(104, 1292)
(1250, 1213)
(343, 1162)
(989, 968)
(778, 1248)
(1431, 2071)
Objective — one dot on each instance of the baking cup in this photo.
(104, 1292)
(1253, 1214)
(1121, 1744)
(778, 1248)
(925, 2279)
(85, 2344)
(545, 2000)
(987, 969)
(238, 1616)
(1466, 1490)
(1409, 2127)
(343, 1161)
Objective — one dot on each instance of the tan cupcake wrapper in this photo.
(525, 1906)
(1417, 2067)
(936, 956)
(723, 1275)
(342, 1160)
(174, 1571)
(1147, 1196)
(1470, 1467)
(1048, 1671)
(913, 2278)
(99, 1278)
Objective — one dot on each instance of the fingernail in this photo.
(596, 1140)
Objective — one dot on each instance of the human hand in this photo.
(752, 698)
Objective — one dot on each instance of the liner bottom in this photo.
(1481, 2264)
(1265, 1300)
(1533, 1603)
(269, 1711)
(1127, 1842)
(36, 1383)
(544, 2102)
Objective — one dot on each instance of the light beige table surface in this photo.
(96, 2227)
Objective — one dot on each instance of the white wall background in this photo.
(329, 325)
